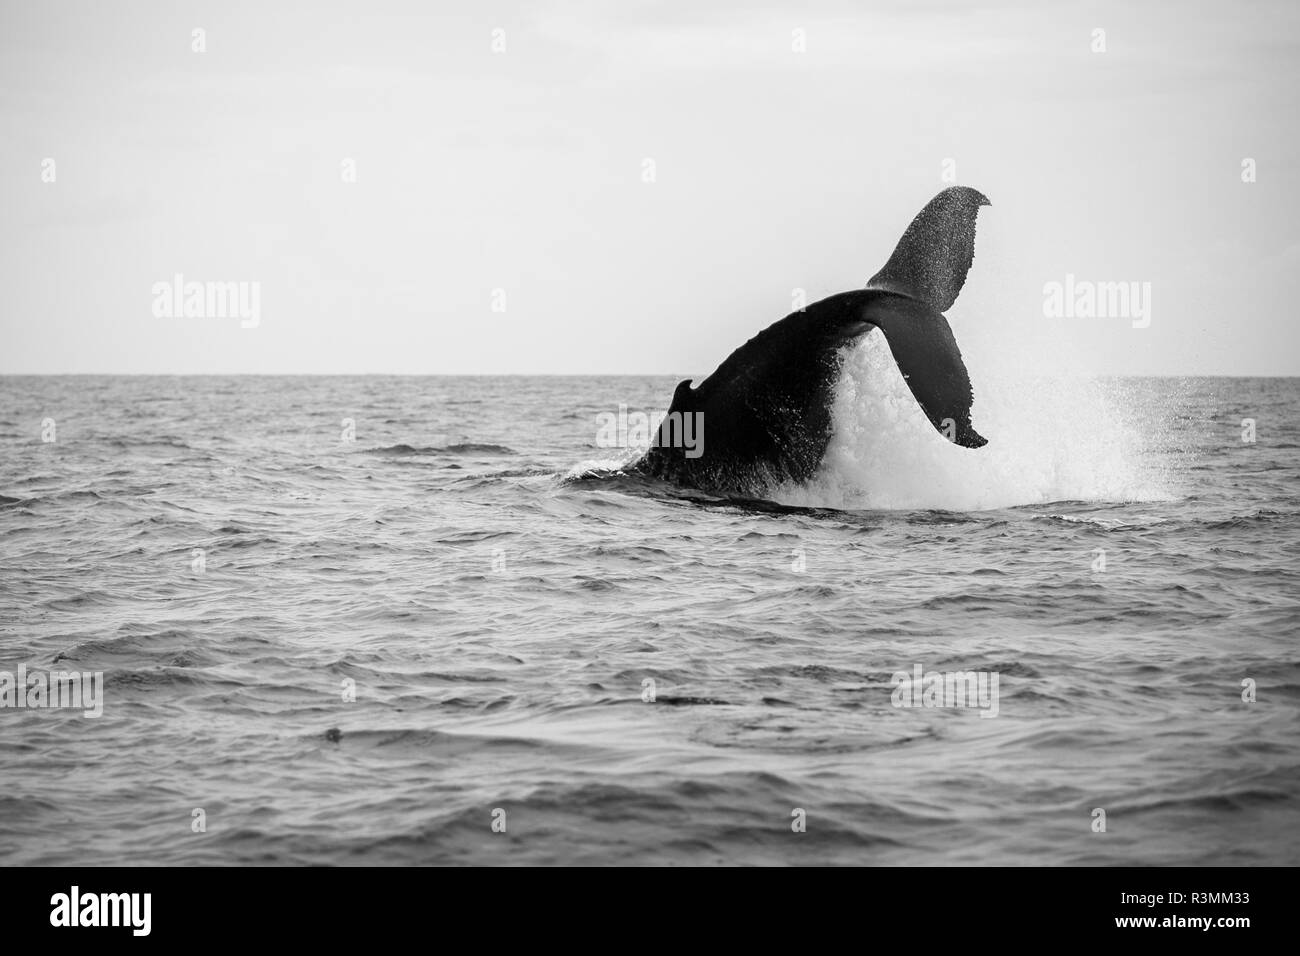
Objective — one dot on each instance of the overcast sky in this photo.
(525, 171)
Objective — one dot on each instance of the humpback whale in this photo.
(766, 409)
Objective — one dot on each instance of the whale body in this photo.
(765, 411)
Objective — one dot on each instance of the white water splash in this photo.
(620, 460)
(1049, 440)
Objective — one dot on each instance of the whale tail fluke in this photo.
(926, 354)
(923, 277)
(930, 262)
(768, 406)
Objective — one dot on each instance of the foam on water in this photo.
(619, 461)
(1049, 440)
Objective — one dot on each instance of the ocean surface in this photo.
(463, 557)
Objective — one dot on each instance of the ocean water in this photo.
(466, 561)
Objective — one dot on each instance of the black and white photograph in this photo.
(643, 434)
